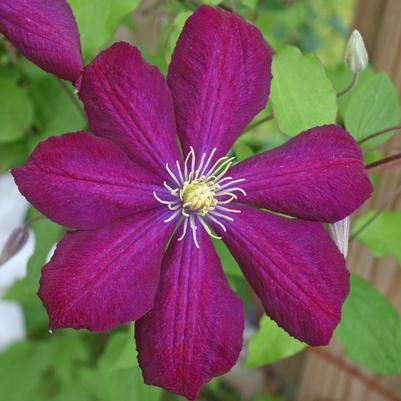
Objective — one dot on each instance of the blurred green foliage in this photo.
(81, 366)
(98, 20)
(375, 106)
(271, 344)
(16, 111)
(382, 235)
(370, 329)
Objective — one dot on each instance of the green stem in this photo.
(377, 214)
(381, 162)
(72, 97)
(385, 162)
(350, 85)
(33, 220)
(378, 133)
(260, 122)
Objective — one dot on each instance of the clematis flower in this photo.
(144, 194)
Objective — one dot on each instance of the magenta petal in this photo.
(45, 32)
(127, 100)
(103, 278)
(295, 269)
(220, 77)
(194, 331)
(318, 175)
(81, 181)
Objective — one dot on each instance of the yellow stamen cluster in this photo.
(199, 195)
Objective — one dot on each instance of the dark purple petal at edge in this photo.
(194, 332)
(81, 181)
(318, 175)
(128, 101)
(219, 76)
(295, 269)
(46, 33)
(103, 278)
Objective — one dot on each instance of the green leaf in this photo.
(242, 150)
(16, 111)
(370, 156)
(98, 20)
(36, 318)
(121, 385)
(227, 260)
(175, 31)
(341, 77)
(56, 116)
(374, 107)
(120, 352)
(12, 154)
(21, 369)
(68, 351)
(270, 344)
(118, 376)
(212, 2)
(370, 329)
(232, 271)
(250, 3)
(74, 392)
(383, 235)
(302, 95)
(10, 73)
(30, 70)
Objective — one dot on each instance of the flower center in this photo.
(200, 192)
(199, 195)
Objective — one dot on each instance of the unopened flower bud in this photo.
(16, 241)
(340, 233)
(356, 56)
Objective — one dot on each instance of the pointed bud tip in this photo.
(356, 57)
(15, 242)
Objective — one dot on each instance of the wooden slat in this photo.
(368, 19)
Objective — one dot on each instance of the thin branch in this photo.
(370, 383)
(374, 168)
(260, 122)
(377, 213)
(385, 164)
(366, 224)
(378, 133)
(11, 53)
(72, 97)
(33, 219)
(350, 85)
